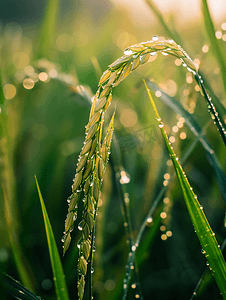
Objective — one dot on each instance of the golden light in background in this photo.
(197, 88)
(165, 182)
(164, 237)
(183, 135)
(172, 139)
(158, 94)
(128, 118)
(218, 34)
(9, 91)
(167, 176)
(20, 60)
(205, 48)
(169, 163)
(28, 83)
(64, 42)
(53, 73)
(169, 87)
(163, 215)
(157, 152)
(43, 76)
(180, 124)
(162, 227)
(29, 70)
(123, 39)
(178, 62)
(166, 200)
(223, 26)
(169, 233)
(189, 78)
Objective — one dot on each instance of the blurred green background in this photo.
(52, 56)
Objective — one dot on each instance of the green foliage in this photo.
(58, 274)
(142, 243)
(202, 228)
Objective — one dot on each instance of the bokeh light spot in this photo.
(43, 76)
(128, 117)
(28, 83)
(9, 91)
(20, 60)
(64, 42)
(205, 48)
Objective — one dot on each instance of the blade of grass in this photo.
(172, 34)
(116, 163)
(213, 112)
(58, 274)
(8, 193)
(15, 245)
(203, 230)
(206, 272)
(195, 129)
(47, 31)
(213, 40)
(149, 218)
(15, 288)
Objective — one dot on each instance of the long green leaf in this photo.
(213, 40)
(15, 288)
(201, 225)
(58, 274)
(193, 125)
(47, 31)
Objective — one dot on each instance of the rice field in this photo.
(112, 151)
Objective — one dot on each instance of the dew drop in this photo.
(155, 38)
(134, 248)
(153, 53)
(128, 52)
(201, 207)
(80, 226)
(164, 53)
(161, 125)
(92, 270)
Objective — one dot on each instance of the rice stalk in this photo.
(94, 155)
(195, 129)
(216, 46)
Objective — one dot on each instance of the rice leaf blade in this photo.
(213, 40)
(15, 245)
(15, 288)
(47, 31)
(193, 125)
(58, 274)
(201, 225)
